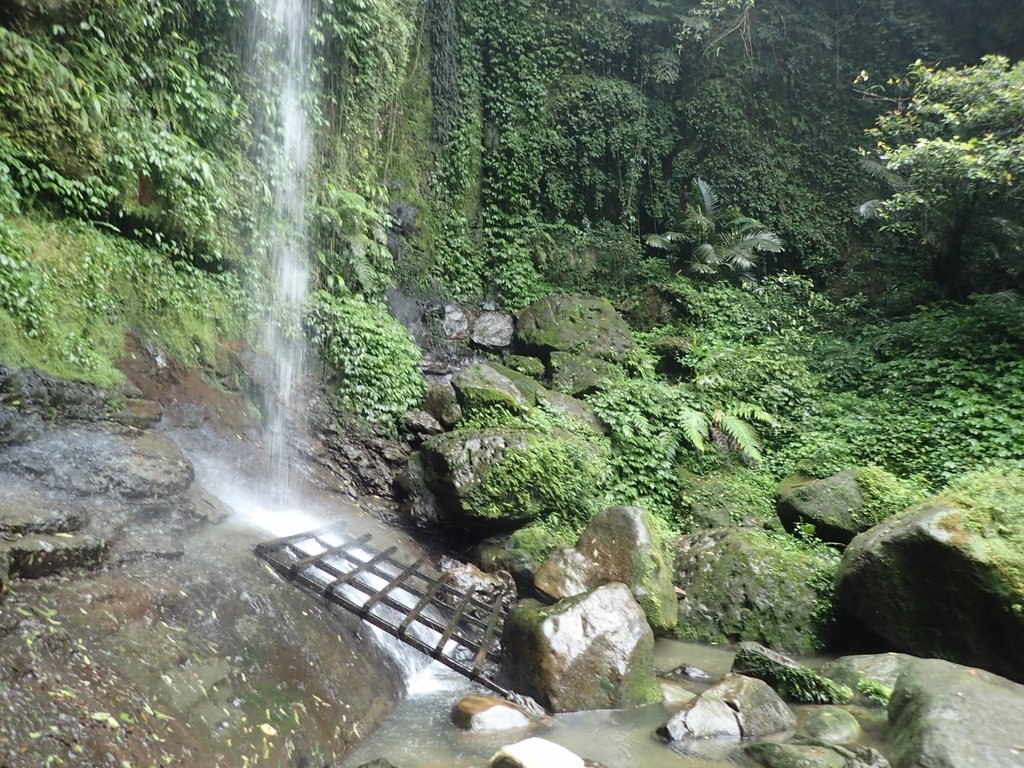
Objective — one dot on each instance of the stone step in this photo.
(23, 511)
(38, 555)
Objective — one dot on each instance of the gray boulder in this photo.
(813, 753)
(943, 581)
(737, 707)
(870, 676)
(618, 545)
(747, 584)
(493, 330)
(535, 753)
(943, 715)
(585, 325)
(592, 651)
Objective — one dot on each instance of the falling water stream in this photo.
(282, 31)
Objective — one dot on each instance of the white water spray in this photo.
(282, 32)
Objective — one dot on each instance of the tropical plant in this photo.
(719, 239)
(953, 155)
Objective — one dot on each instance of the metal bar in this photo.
(298, 565)
(453, 624)
(418, 609)
(284, 541)
(374, 599)
(347, 576)
(485, 644)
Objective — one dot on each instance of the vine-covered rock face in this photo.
(943, 714)
(618, 545)
(948, 579)
(592, 651)
(502, 478)
(754, 585)
(581, 325)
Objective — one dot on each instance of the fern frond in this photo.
(882, 172)
(741, 432)
(694, 425)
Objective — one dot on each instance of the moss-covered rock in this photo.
(585, 325)
(947, 579)
(484, 386)
(528, 366)
(773, 755)
(581, 374)
(870, 676)
(506, 477)
(5, 573)
(845, 504)
(749, 584)
(442, 403)
(832, 724)
(579, 410)
(620, 544)
(592, 651)
(791, 680)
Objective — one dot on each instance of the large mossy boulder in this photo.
(748, 584)
(580, 325)
(618, 545)
(947, 578)
(592, 651)
(943, 715)
(737, 498)
(502, 478)
(843, 505)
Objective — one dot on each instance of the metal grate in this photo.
(427, 613)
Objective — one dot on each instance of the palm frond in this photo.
(882, 172)
(872, 209)
(709, 198)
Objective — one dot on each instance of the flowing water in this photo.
(282, 56)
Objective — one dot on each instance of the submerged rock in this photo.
(618, 545)
(592, 651)
(737, 707)
(747, 584)
(774, 755)
(487, 713)
(535, 753)
(832, 724)
(944, 714)
(791, 680)
(947, 579)
(577, 324)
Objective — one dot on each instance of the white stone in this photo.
(535, 753)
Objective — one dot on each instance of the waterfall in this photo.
(282, 58)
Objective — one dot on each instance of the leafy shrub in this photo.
(373, 361)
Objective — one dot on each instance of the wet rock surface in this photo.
(791, 680)
(592, 651)
(536, 753)
(136, 630)
(737, 707)
(486, 713)
(944, 714)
